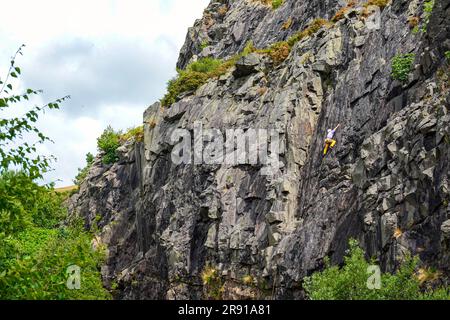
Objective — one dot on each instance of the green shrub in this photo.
(23, 245)
(196, 74)
(48, 210)
(350, 281)
(204, 65)
(34, 252)
(184, 82)
(108, 143)
(401, 66)
(13, 218)
(82, 173)
(427, 9)
(37, 262)
(24, 203)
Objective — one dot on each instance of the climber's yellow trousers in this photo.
(329, 143)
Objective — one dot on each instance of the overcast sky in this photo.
(113, 57)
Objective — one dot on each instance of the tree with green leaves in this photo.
(21, 200)
(15, 152)
(108, 143)
(37, 242)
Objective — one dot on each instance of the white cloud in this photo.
(112, 56)
(38, 21)
(115, 71)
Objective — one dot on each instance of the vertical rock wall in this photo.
(386, 183)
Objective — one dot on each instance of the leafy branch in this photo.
(13, 151)
(13, 71)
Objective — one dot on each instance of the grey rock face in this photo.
(386, 183)
(228, 25)
(247, 65)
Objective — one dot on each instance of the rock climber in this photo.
(329, 141)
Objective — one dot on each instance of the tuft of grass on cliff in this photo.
(135, 133)
(195, 75)
(275, 4)
(279, 51)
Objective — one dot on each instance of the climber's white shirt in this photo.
(330, 134)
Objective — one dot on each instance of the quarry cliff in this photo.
(385, 183)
